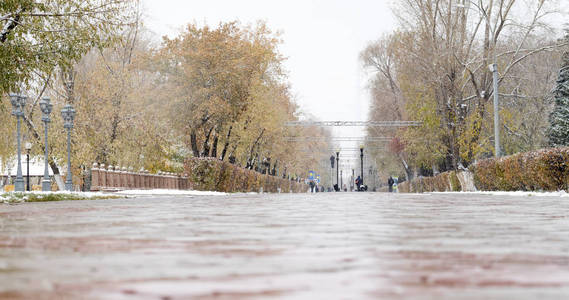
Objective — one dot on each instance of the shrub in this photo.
(444, 182)
(210, 174)
(546, 169)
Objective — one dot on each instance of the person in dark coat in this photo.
(358, 183)
(390, 182)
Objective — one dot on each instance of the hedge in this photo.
(210, 174)
(541, 170)
(444, 182)
(545, 170)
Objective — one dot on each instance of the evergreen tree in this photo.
(558, 132)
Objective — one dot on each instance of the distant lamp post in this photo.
(28, 147)
(337, 169)
(332, 158)
(46, 108)
(494, 69)
(68, 114)
(18, 103)
(362, 163)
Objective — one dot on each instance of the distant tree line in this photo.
(434, 69)
(209, 92)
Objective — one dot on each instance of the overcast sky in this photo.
(321, 39)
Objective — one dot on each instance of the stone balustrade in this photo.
(122, 178)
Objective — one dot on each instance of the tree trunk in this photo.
(224, 151)
(274, 173)
(206, 148)
(408, 172)
(214, 147)
(253, 147)
(194, 144)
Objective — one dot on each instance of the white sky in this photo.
(322, 40)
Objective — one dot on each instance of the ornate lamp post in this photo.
(362, 162)
(18, 103)
(68, 114)
(28, 147)
(46, 107)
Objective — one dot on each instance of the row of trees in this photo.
(209, 92)
(434, 69)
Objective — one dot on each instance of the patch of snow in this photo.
(85, 194)
(516, 193)
(170, 192)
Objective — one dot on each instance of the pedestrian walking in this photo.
(390, 182)
(358, 183)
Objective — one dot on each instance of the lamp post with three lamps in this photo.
(18, 103)
(46, 108)
(68, 114)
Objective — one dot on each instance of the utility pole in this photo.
(494, 69)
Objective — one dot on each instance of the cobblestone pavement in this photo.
(301, 246)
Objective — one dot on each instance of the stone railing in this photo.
(122, 178)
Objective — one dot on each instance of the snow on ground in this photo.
(169, 192)
(10, 197)
(516, 193)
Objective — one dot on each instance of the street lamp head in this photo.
(46, 108)
(493, 68)
(18, 103)
(68, 114)
(15, 104)
(28, 146)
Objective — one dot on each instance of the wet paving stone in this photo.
(288, 246)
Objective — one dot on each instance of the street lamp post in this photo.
(362, 163)
(68, 114)
(337, 169)
(28, 147)
(46, 107)
(18, 103)
(331, 171)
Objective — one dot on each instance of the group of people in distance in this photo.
(359, 185)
